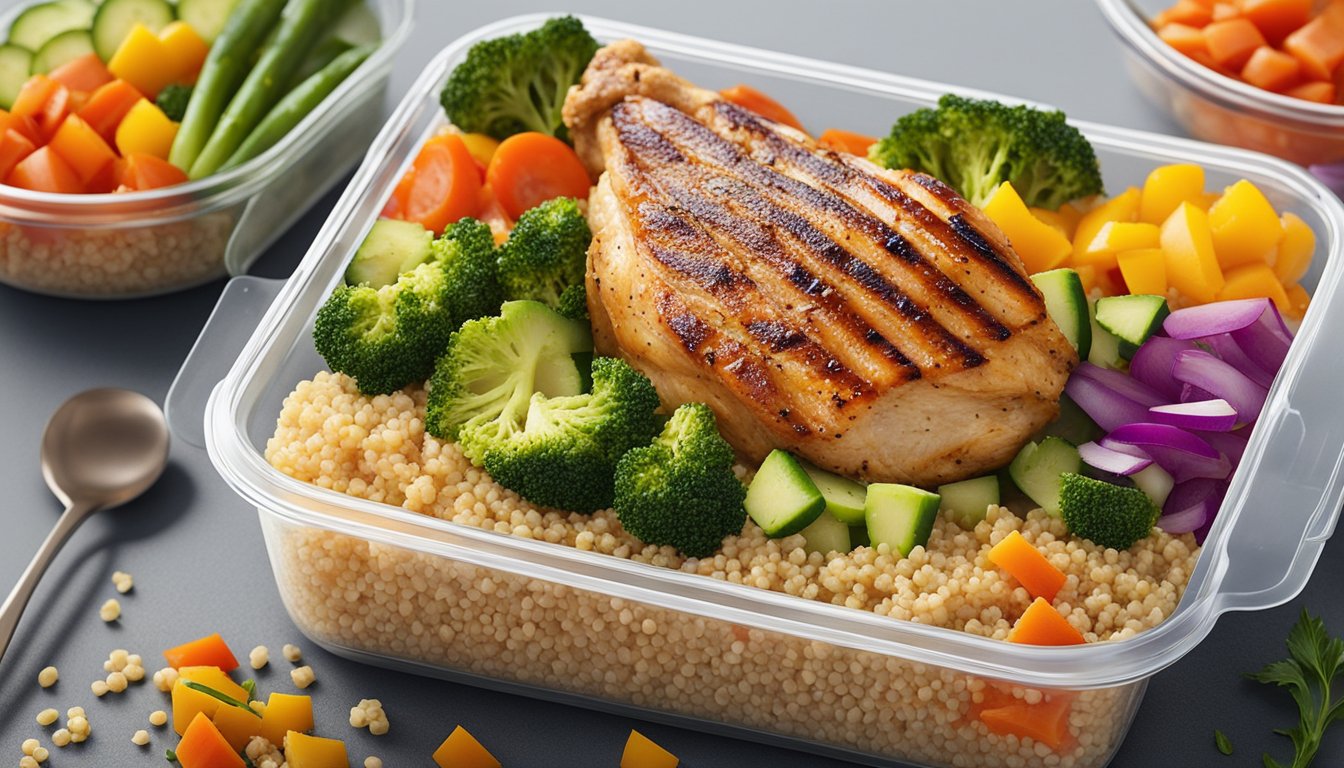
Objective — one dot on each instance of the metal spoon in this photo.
(101, 449)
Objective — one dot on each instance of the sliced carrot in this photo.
(1191, 12)
(86, 73)
(443, 184)
(1319, 92)
(1276, 18)
(1232, 42)
(1184, 38)
(53, 112)
(45, 171)
(749, 98)
(1041, 624)
(142, 171)
(1047, 721)
(1272, 70)
(846, 141)
(110, 179)
(82, 147)
(492, 213)
(14, 147)
(208, 651)
(33, 96)
(107, 106)
(1025, 563)
(203, 746)
(530, 168)
(1319, 44)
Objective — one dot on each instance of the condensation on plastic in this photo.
(1221, 109)
(157, 241)
(1282, 504)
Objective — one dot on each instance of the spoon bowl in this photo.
(104, 447)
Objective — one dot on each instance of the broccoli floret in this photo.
(574, 302)
(681, 490)
(546, 253)
(1109, 515)
(518, 83)
(388, 337)
(173, 101)
(975, 145)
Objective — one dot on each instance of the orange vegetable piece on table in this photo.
(304, 751)
(641, 752)
(1272, 70)
(1319, 44)
(237, 725)
(208, 651)
(85, 73)
(749, 98)
(462, 750)
(1144, 271)
(1046, 721)
(530, 168)
(1232, 42)
(45, 171)
(1187, 243)
(1319, 92)
(1041, 624)
(1276, 18)
(203, 746)
(82, 147)
(442, 185)
(1040, 246)
(107, 106)
(286, 712)
(846, 141)
(14, 147)
(1244, 226)
(187, 701)
(1025, 563)
(185, 51)
(1255, 281)
(1295, 249)
(1184, 38)
(142, 172)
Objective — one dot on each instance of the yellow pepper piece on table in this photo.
(188, 701)
(286, 712)
(237, 725)
(146, 130)
(1245, 226)
(1187, 243)
(462, 750)
(1144, 270)
(1168, 187)
(642, 752)
(1040, 246)
(304, 751)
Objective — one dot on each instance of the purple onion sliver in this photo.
(1108, 408)
(1153, 362)
(1189, 493)
(1147, 435)
(1265, 341)
(1231, 444)
(1203, 370)
(1187, 520)
(1218, 317)
(1120, 383)
(1227, 348)
(1192, 394)
(1108, 460)
(1210, 415)
(1331, 175)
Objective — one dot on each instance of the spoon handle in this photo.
(12, 610)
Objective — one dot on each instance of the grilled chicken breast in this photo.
(871, 321)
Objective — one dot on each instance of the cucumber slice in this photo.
(60, 49)
(40, 23)
(1066, 303)
(1105, 350)
(782, 499)
(114, 20)
(15, 64)
(1037, 468)
(1154, 481)
(900, 516)
(844, 497)
(1132, 319)
(207, 17)
(391, 248)
(966, 502)
(827, 535)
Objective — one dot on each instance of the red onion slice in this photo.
(1266, 341)
(1230, 444)
(1227, 348)
(1185, 455)
(1108, 408)
(1218, 317)
(1109, 460)
(1190, 519)
(1210, 415)
(1203, 370)
(1153, 362)
(1331, 175)
(1121, 383)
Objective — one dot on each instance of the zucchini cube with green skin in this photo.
(1132, 319)
(826, 534)
(967, 501)
(783, 499)
(900, 516)
(1066, 303)
(391, 249)
(1037, 469)
(1105, 351)
(844, 497)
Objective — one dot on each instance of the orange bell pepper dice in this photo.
(141, 172)
(208, 651)
(107, 106)
(81, 146)
(14, 147)
(85, 74)
(45, 171)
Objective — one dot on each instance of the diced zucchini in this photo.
(844, 497)
(1132, 319)
(858, 536)
(1154, 481)
(900, 516)
(15, 64)
(1037, 468)
(115, 18)
(391, 248)
(60, 49)
(1105, 350)
(782, 499)
(966, 502)
(826, 535)
(44, 21)
(207, 17)
(1066, 303)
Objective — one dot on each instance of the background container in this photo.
(162, 240)
(1216, 108)
(384, 585)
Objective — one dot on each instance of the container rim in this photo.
(167, 204)
(1087, 666)
(1129, 23)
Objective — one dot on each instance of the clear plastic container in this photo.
(157, 241)
(385, 585)
(1217, 108)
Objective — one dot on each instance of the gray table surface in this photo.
(195, 549)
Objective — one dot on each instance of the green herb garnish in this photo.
(251, 687)
(170, 755)
(1317, 659)
(224, 697)
(1224, 744)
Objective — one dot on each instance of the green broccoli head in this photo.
(388, 337)
(494, 365)
(546, 253)
(1110, 515)
(173, 101)
(681, 491)
(518, 83)
(563, 453)
(574, 302)
(975, 145)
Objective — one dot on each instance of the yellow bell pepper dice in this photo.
(1144, 270)
(1255, 281)
(1117, 236)
(462, 750)
(1245, 226)
(1298, 298)
(184, 51)
(286, 712)
(303, 751)
(1295, 249)
(1039, 245)
(641, 752)
(480, 147)
(140, 60)
(237, 725)
(1168, 187)
(146, 130)
(1122, 207)
(1187, 244)
(188, 701)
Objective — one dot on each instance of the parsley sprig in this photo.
(1317, 659)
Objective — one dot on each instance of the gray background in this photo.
(196, 551)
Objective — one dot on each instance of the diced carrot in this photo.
(1203, 58)
(1046, 721)
(33, 96)
(1232, 42)
(53, 112)
(1319, 92)
(749, 98)
(86, 74)
(1319, 44)
(846, 141)
(444, 185)
(109, 179)
(1041, 624)
(208, 651)
(25, 125)
(1225, 11)
(107, 106)
(1025, 563)
(45, 171)
(492, 213)
(143, 172)
(642, 752)
(14, 147)
(1184, 38)
(1189, 12)
(1272, 70)
(82, 147)
(462, 750)
(530, 168)
(1276, 18)
(203, 746)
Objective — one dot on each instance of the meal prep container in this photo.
(163, 240)
(391, 587)
(1217, 108)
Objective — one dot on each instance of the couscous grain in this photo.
(48, 677)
